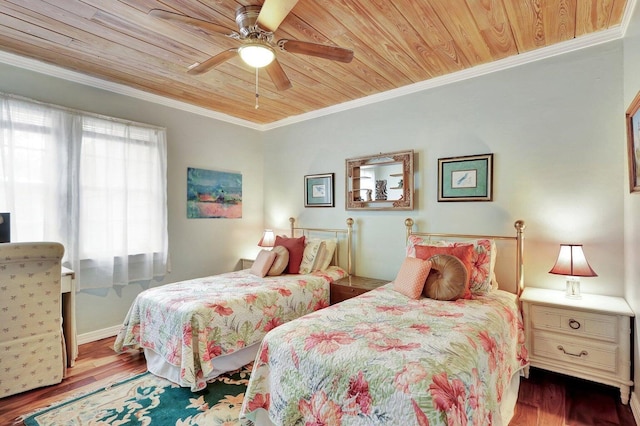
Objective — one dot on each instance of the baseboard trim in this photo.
(98, 334)
(634, 402)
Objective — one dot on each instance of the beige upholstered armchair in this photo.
(31, 340)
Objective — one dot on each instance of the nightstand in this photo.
(351, 286)
(589, 338)
(246, 263)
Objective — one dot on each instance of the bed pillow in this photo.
(263, 263)
(462, 252)
(411, 277)
(325, 254)
(281, 261)
(447, 278)
(483, 264)
(415, 240)
(295, 246)
(312, 247)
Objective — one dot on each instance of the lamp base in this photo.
(573, 288)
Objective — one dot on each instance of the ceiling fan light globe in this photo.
(257, 55)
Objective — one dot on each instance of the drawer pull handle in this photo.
(585, 353)
(574, 324)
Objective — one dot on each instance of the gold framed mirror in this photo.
(380, 182)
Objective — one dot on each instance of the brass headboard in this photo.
(518, 239)
(348, 232)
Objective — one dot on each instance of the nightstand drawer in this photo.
(576, 323)
(577, 352)
(352, 286)
(340, 293)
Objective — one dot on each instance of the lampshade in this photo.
(257, 55)
(268, 239)
(572, 262)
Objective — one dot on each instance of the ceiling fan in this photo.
(256, 26)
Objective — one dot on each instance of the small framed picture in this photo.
(468, 178)
(633, 140)
(318, 190)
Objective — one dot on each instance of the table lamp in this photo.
(268, 239)
(572, 263)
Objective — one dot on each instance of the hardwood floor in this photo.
(545, 399)
(97, 366)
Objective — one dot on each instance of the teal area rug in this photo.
(146, 399)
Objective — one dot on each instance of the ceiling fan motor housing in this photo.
(246, 17)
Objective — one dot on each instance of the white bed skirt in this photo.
(507, 406)
(157, 365)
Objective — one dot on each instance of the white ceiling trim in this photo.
(87, 80)
(479, 70)
(506, 63)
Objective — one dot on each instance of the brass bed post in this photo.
(408, 223)
(520, 226)
(349, 248)
(292, 221)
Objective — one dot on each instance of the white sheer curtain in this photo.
(97, 185)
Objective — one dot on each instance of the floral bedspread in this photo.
(382, 359)
(189, 323)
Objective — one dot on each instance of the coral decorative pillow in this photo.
(463, 252)
(411, 277)
(483, 263)
(281, 261)
(295, 246)
(482, 276)
(447, 279)
(263, 262)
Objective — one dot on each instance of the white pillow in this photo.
(281, 261)
(263, 262)
(325, 255)
(310, 254)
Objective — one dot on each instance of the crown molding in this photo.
(477, 71)
(593, 39)
(87, 80)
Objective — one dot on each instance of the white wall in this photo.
(198, 247)
(553, 127)
(632, 201)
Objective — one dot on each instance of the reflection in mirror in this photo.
(380, 182)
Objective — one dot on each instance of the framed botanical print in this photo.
(318, 190)
(468, 178)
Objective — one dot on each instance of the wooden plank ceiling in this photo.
(396, 43)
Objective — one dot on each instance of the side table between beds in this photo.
(351, 286)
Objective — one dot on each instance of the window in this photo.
(97, 185)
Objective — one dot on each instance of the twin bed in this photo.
(383, 358)
(379, 358)
(195, 330)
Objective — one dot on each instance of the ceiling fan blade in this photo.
(278, 76)
(194, 22)
(273, 13)
(212, 62)
(313, 49)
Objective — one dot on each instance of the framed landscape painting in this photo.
(213, 194)
(468, 178)
(633, 143)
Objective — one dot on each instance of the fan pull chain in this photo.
(257, 96)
